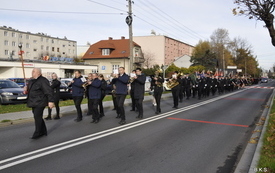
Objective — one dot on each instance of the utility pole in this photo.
(129, 21)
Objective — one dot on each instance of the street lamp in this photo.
(22, 61)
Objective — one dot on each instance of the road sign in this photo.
(103, 67)
(129, 20)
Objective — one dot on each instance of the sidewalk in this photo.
(68, 109)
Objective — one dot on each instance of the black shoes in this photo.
(139, 117)
(38, 136)
(78, 120)
(95, 121)
(118, 116)
(132, 110)
(57, 118)
(175, 107)
(48, 118)
(122, 122)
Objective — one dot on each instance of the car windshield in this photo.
(8, 84)
(264, 78)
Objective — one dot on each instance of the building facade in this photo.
(162, 49)
(35, 46)
(111, 54)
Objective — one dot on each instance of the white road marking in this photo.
(78, 141)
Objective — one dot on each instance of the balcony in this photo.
(138, 60)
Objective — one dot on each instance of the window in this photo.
(13, 43)
(6, 33)
(28, 45)
(34, 41)
(105, 51)
(47, 48)
(47, 40)
(42, 39)
(6, 42)
(52, 40)
(53, 49)
(42, 47)
(58, 49)
(115, 69)
(27, 37)
(20, 36)
(34, 50)
(63, 45)
(13, 34)
(6, 52)
(69, 50)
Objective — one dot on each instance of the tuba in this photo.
(171, 84)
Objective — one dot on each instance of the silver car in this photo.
(11, 92)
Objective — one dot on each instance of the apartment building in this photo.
(39, 46)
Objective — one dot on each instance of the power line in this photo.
(106, 5)
(164, 21)
(176, 22)
(63, 12)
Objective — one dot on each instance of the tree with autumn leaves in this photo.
(221, 51)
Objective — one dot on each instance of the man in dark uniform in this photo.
(214, 85)
(220, 85)
(78, 93)
(40, 95)
(176, 89)
(188, 86)
(132, 90)
(90, 78)
(157, 86)
(207, 85)
(201, 84)
(121, 91)
(55, 85)
(195, 86)
(94, 97)
(182, 88)
(139, 90)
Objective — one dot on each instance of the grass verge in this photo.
(22, 107)
(267, 158)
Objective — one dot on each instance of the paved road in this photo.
(202, 136)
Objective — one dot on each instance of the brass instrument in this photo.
(172, 83)
(86, 84)
(159, 84)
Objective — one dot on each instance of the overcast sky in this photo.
(188, 21)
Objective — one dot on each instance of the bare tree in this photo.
(149, 59)
(260, 10)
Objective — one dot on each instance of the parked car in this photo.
(19, 81)
(67, 80)
(264, 80)
(65, 91)
(11, 92)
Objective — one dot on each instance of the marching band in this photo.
(198, 85)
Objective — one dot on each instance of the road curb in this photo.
(249, 160)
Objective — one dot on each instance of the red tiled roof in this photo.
(119, 49)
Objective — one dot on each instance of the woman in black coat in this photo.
(55, 85)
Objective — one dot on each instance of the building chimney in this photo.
(122, 38)
(110, 38)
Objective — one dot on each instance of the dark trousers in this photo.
(157, 94)
(188, 92)
(139, 106)
(200, 92)
(89, 110)
(181, 93)
(120, 98)
(40, 127)
(194, 91)
(94, 108)
(175, 94)
(56, 104)
(77, 103)
(213, 89)
(114, 101)
(101, 110)
(133, 100)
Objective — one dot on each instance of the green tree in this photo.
(203, 55)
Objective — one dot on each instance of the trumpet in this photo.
(159, 84)
(86, 84)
